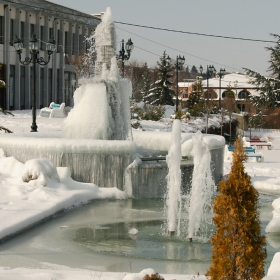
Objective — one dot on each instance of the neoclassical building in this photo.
(55, 81)
(216, 90)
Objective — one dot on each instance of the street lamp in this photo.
(128, 48)
(209, 72)
(34, 51)
(179, 63)
(221, 74)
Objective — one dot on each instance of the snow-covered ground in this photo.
(35, 190)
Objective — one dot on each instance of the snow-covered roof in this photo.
(236, 80)
(185, 84)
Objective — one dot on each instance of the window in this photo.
(50, 93)
(66, 43)
(73, 38)
(12, 31)
(58, 84)
(41, 87)
(67, 88)
(228, 94)
(51, 33)
(210, 95)
(22, 34)
(58, 49)
(81, 44)
(243, 94)
(32, 29)
(12, 87)
(1, 30)
(42, 37)
(22, 87)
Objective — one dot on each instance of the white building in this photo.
(56, 81)
(216, 89)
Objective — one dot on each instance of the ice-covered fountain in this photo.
(97, 143)
(190, 213)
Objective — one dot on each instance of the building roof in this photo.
(237, 82)
(56, 10)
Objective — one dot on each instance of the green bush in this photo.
(153, 113)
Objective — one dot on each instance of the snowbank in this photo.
(38, 190)
(274, 271)
(274, 224)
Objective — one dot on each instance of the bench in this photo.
(258, 157)
(229, 138)
(247, 149)
(53, 111)
(261, 144)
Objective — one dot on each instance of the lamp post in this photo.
(179, 63)
(209, 71)
(221, 74)
(34, 51)
(122, 56)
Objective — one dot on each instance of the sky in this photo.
(248, 19)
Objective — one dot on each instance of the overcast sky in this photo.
(253, 19)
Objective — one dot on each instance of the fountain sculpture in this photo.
(96, 142)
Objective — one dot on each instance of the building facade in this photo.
(56, 81)
(217, 88)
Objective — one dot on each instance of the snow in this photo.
(51, 189)
(161, 141)
(36, 190)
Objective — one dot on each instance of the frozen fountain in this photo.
(192, 211)
(173, 196)
(97, 143)
(202, 191)
(103, 98)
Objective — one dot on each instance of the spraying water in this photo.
(101, 109)
(202, 191)
(173, 196)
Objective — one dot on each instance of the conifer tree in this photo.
(238, 247)
(194, 70)
(268, 88)
(195, 101)
(160, 92)
(146, 81)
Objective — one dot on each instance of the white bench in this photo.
(53, 111)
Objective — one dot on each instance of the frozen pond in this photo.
(96, 236)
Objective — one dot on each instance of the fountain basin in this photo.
(105, 162)
(101, 162)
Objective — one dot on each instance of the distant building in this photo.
(57, 81)
(217, 88)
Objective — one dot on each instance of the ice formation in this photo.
(173, 196)
(101, 103)
(202, 191)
